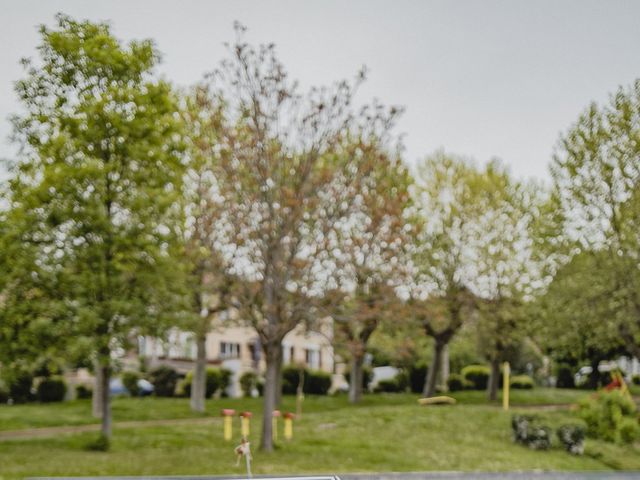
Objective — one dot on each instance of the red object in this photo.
(246, 414)
(290, 415)
(615, 383)
(276, 413)
(227, 412)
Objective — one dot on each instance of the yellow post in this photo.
(288, 426)
(244, 424)
(274, 425)
(505, 386)
(227, 414)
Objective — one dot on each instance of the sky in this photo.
(484, 79)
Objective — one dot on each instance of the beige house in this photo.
(238, 348)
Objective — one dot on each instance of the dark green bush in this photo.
(83, 391)
(402, 379)
(248, 381)
(225, 381)
(572, 437)
(367, 376)
(522, 382)
(20, 388)
(635, 379)
(389, 385)
(217, 381)
(477, 376)
(456, 382)
(52, 389)
(130, 382)
(527, 430)
(291, 379)
(164, 380)
(564, 376)
(417, 377)
(316, 382)
(4, 395)
(610, 416)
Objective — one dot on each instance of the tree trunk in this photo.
(494, 379)
(96, 397)
(272, 353)
(357, 378)
(106, 399)
(279, 384)
(445, 367)
(199, 380)
(429, 389)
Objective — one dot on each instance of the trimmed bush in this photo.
(20, 388)
(564, 377)
(4, 395)
(456, 382)
(248, 381)
(635, 379)
(164, 380)
(477, 376)
(389, 385)
(522, 382)
(83, 391)
(367, 376)
(52, 389)
(225, 381)
(217, 380)
(527, 430)
(130, 382)
(417, 377)
(609, 416)
(572, 438)
(316, 382)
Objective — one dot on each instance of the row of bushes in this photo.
(527, 430)
(25, 388)
(610, 416)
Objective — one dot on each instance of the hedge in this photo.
(217, 380)
(316, 382)
(522, 382)
(417, 377)
(52, 389)
(564, 377)
(130, 382)
(477, 376)
(164, 380)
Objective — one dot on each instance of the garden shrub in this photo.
(316, 382)
(635, 379)
(367, 376)
(477, 376)
(528, 431)
(456, 382)
(164, 380)
(390, 385)
(248, 381)
(217, 380)
(572, 438)
(417, 377)
(52, 389)
(522, 382)
(130, 382)
(4, 395)
(83, 391)
(609, 416)
(20, 388)
(225, 380)
(402, 379)
(564, 376)
(291, 379)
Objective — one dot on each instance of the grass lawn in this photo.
(384, 433)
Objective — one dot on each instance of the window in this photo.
(312, 358)
(288, 354)
(229, 350)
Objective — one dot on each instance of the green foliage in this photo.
(524, 382)
(564, 376)
(21, 387)
(249, 381)
(367, 376)
(130, 382)
(164, 380)
(316, 382)
(527, 430)
(635, 379)
(477, 376)
(83, 391)
(610, 416)
(4, 394)
(217, 380)
(572, 438)
(457, 382)
(417, 377)
(51, 389)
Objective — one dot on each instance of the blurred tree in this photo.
(91, 203)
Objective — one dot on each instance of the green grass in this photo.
(384, 433)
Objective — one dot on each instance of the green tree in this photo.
(91, 202)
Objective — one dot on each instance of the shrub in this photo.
(606, 415)
(130, 382)
(402, 379)
(417, 377)
(20, 388)
(564, 376)
(367, 376)
(572, 437)
(164, 380)
(629, 430)
(83, 391)
(389, 385)
(523, 382)
(225, 380)
(248, 381)
(52, 389)
(635, 379)
(456, 382)
(217, 380)
(477, 376)
(527, 430)
(291, 379)
(4, 395)
(316, 382)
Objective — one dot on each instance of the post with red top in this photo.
(227, 414)
(245, 423)
(288, 425)
(274, 425)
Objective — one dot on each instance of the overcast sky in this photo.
(480, 78)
